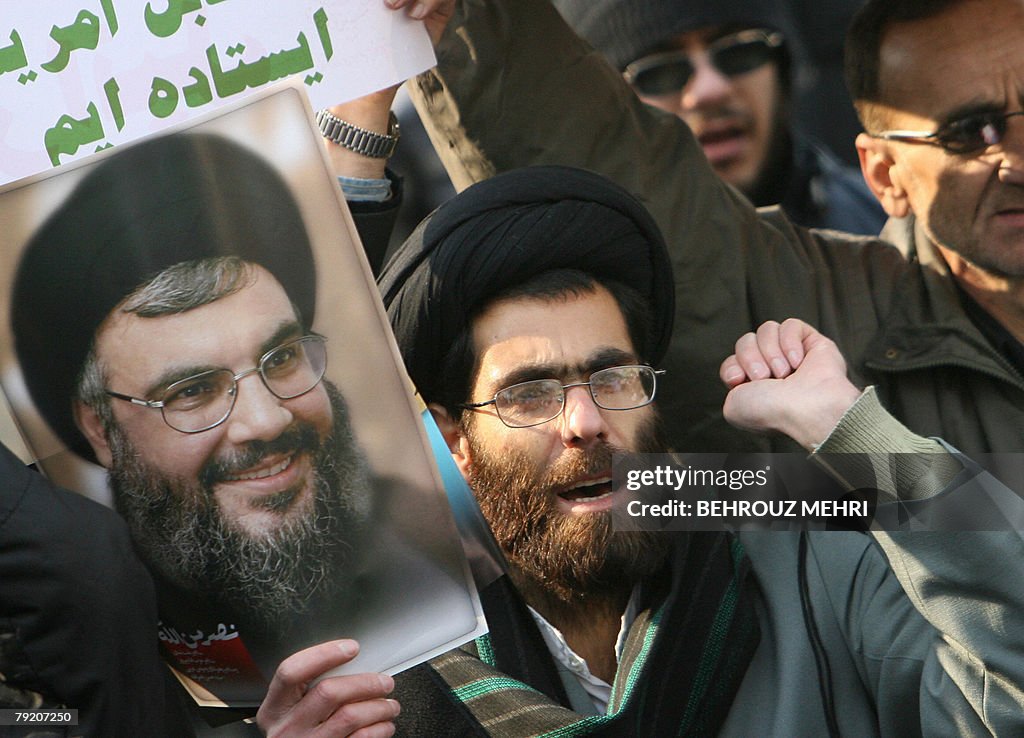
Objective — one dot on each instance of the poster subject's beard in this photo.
(569, 556)
(267, 579)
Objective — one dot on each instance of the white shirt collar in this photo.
(573, 665)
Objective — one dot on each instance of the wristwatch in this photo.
(359, 140)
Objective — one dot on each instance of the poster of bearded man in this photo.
(192, 335)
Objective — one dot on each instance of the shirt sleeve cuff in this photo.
(357, 189)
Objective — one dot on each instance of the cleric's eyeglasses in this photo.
(668, 71)
(540, 400)
(967, 135)
(205, 400)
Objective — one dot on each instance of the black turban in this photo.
(504, 231)
(169, 200)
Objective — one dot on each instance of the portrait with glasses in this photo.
(172, 324)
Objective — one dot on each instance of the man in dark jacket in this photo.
(77, 615)
(934, 324)
(725, 69)
(532, 311)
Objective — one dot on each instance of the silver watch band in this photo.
(359, 140)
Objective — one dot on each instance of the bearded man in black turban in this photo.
(531, 312)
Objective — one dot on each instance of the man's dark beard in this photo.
(568, 557)
(266, 580)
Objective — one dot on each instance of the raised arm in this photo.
(515, 87)
(789, 378)
(373, 194)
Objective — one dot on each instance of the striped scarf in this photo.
(683, 660)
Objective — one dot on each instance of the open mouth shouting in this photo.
(593, 494)
(724, 142)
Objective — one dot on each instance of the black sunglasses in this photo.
(669, 71)
(967, 135)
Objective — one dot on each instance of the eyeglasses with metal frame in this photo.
(668, 72)
(967, 135)
(527, 404)
(205, 400)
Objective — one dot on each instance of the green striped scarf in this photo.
(683, 659)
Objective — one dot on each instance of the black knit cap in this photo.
(503, 232)
(159, 203)
(625, 30)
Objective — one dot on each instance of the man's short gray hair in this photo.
(177, 289)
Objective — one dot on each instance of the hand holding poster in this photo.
(77, 76)
(197, 317)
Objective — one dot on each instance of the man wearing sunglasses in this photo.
(724, 68)
(935, 323)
